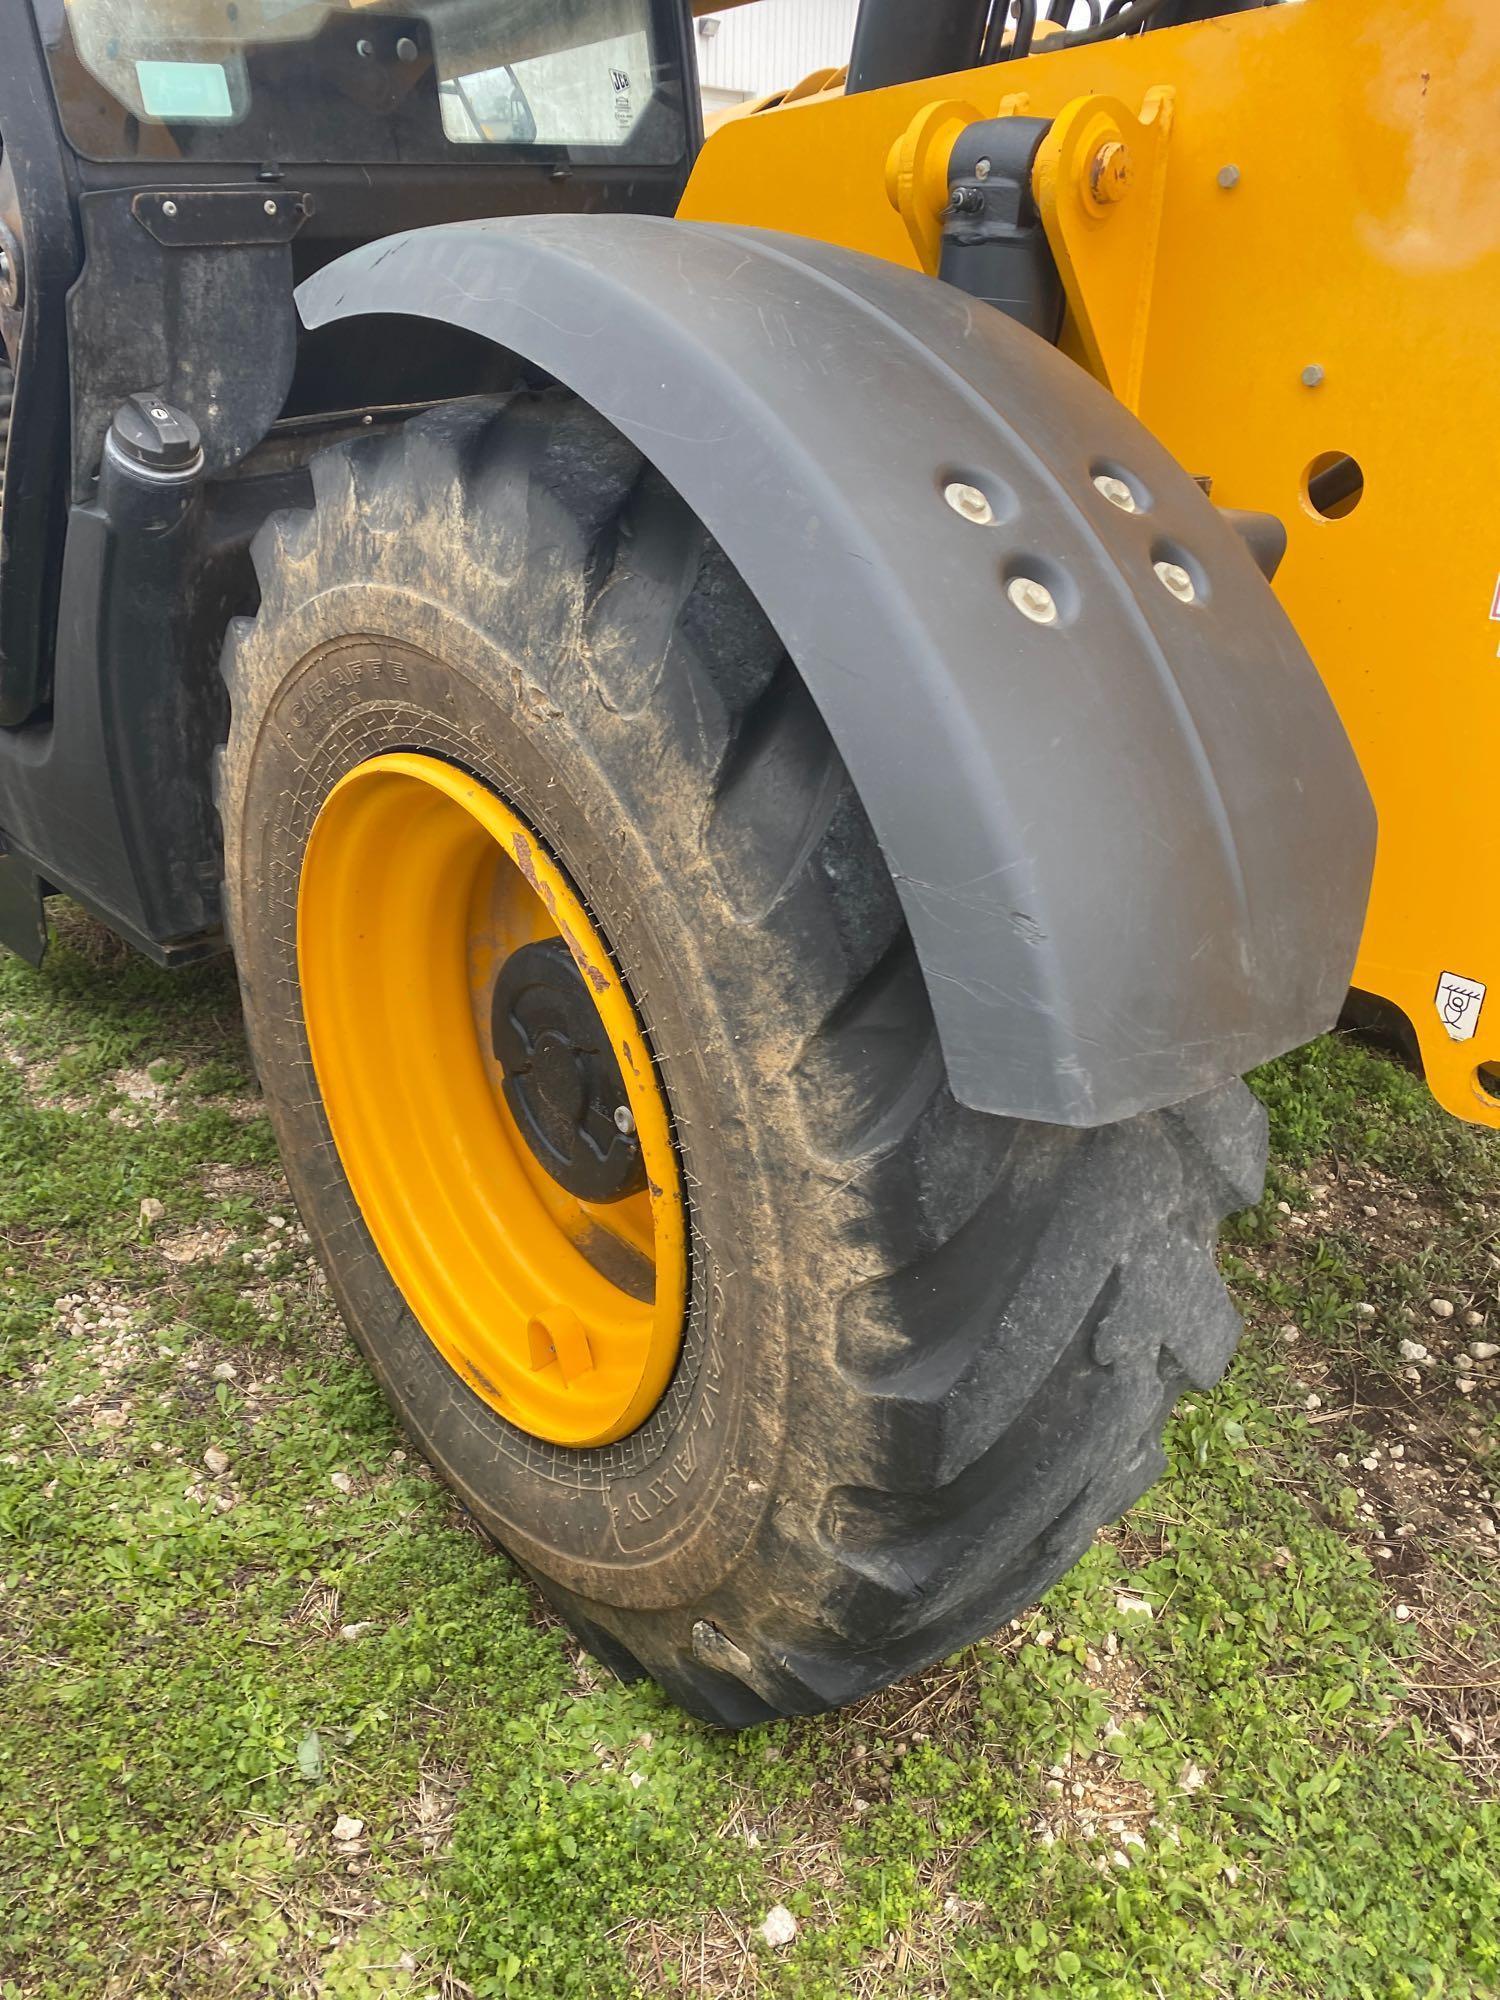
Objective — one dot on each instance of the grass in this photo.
(276, 1721)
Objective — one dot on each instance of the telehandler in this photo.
(772, 722)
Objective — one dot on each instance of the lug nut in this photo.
(10, 271)
(624, 1119)
(1176, 579)
(1032, 599)
(970, 502)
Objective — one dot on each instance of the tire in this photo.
(7, 387)
(927, 1352)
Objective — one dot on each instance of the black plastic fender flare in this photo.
(1133, 845)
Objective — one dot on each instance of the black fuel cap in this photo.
(151, 432)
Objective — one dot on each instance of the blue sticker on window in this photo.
(187, 92)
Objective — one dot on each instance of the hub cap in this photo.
(493, 1099)
(562, 1082)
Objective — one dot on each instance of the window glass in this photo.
(359, 79)
(750, 52)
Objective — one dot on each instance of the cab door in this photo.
(38, 262)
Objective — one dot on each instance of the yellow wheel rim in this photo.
(564, 1314)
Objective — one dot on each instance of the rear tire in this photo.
(927, 1351)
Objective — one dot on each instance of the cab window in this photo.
(363, 79)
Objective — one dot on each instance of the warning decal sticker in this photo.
(1458, 1003)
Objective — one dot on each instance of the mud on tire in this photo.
(928, 1352)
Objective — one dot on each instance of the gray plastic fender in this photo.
(1133, 844)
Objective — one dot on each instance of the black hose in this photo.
(1134, 14)
(994, 48)
(1020, 41)
(1119, 18)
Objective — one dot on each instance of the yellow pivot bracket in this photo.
(1098, 180)
(916, 173)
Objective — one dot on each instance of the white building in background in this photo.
(768, 45)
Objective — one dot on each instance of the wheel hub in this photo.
(562, 1081)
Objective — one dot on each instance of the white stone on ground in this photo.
(779, 1926)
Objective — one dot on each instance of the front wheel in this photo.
(606, 1081)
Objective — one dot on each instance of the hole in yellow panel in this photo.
(1333, 485)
